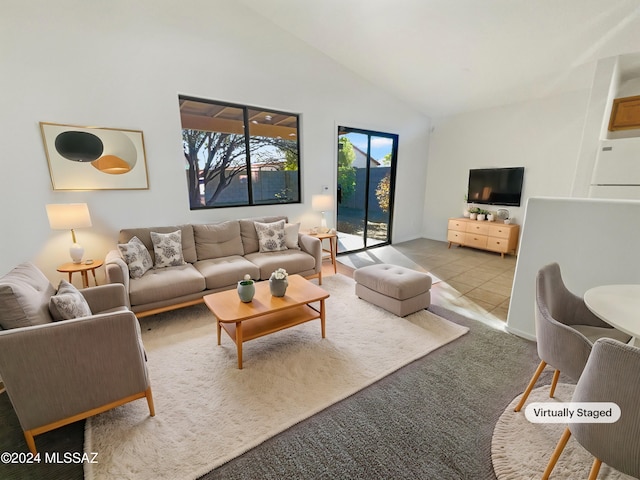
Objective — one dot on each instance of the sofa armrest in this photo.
(116, 269)
(105, 297)
(313, 246)
(59, 369)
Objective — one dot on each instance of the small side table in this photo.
(83, 268)
(333, 246)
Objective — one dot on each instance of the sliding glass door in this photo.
(366, 180)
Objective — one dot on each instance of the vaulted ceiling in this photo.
(449, 56)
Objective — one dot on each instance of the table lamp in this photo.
(67, 216)
(322, 203)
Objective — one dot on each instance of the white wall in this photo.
(541, 135)
(122, 64)
(593, 241)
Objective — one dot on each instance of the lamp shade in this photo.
(322, 203)
(66, 216)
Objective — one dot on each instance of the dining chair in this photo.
(565, 330)
(610, 375)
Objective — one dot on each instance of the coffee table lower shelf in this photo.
(241, 332)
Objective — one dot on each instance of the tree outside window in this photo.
(237, 155)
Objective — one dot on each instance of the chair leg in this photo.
(554, 382)
(556, 453)
(31, 443)
(532, 383)
(595, 468)
(149, 396)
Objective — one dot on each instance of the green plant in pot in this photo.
(473, 213)
(246, 289)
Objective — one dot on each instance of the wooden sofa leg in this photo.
(31, 443)
(149, 396)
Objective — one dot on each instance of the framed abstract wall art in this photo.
(93, 158)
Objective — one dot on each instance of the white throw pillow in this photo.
(68, 303)
(137, 257)
(167, 248)
(291, 235)
(271, 236)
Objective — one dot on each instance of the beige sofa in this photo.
(216, 256)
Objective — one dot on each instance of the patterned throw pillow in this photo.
(68, 303)
(137, 257)
(271, 236)
(167, 248)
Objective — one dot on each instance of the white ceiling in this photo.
(449, 56)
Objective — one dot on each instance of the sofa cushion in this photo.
(248, 232)
(225, 271)
(137, 257)
(68, 303)
(293, 261)
(218, 240)
(271, 236)
(24, 297)
(144, 234)
(165, 283)
(167, 248)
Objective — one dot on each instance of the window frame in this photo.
(247, 127)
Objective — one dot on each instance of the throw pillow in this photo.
(271, 236)
(137, 257)
(68, 303)
(291, 235)
(167, 248)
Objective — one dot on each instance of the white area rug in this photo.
(208, 411)
(521, 449)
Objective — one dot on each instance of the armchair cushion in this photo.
(68, 303)
(24, 297)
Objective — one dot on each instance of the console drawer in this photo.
(474, 240)
(457, 225)
(478, 227)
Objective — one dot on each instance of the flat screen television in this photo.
(495, 186)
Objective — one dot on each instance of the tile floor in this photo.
(472, 282)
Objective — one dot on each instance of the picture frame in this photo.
(94, 158)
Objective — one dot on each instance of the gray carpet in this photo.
(433, 419)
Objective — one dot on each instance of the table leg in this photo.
(95, 280)
(239, 343)
(219, 328)
(85, 279)
(322, 318)
(70, 274)
(333, 252)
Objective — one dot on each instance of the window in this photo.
(238, 155)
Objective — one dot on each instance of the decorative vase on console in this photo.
(278, 282)
(246, 289)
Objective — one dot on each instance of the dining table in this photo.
(619, 306)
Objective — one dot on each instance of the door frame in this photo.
(341, 130)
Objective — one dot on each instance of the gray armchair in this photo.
(59, 372)
(610, 375)
(565, 330)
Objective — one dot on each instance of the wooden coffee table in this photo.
(266, 314)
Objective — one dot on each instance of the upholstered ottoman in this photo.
(397, 289)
